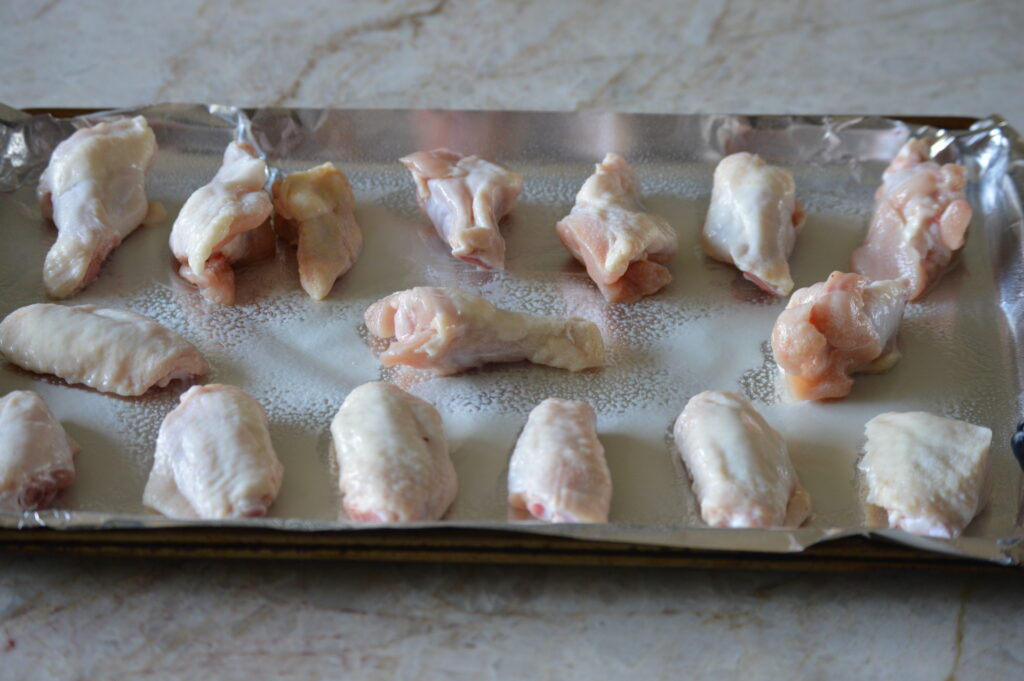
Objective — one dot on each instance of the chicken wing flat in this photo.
(927, 472)
(739, 464)
(393, 460)
(113, 351)
(36, 455)
(558, 472)
(214, 458)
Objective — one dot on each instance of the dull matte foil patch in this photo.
(708, 330)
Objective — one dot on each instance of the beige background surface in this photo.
(67, 619)
(744, 56)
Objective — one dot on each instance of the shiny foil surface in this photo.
(709, 329)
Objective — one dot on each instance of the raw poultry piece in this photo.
(316, 210)
(465, 197)
(623, 247)
(95, 190)
(223, 224)
(740, 466)
(448, 331)
(392, 456)
(36, 455)
(113, 351)
(920, 221)
(753, 220)
(558, 471)
(214, 458)
(828, 331)
(928, 472)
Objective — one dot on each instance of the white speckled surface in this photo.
(106, 618)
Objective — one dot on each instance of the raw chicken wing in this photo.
(558, 471)
(739, 464)
(465, 197)
(95, 191)
(113, 351)
(36, 455)
(224, 224)
(920, 221)
(316, 209)
(835, 328)
(623, 247)
(392, 456)
(214, 458)
(448, 331)
(929, 473)
(753, 220)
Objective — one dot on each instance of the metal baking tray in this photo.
(708, 330)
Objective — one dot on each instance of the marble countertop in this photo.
(92, 618)
(744, 56)
(143, 619)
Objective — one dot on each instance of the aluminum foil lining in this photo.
(708, 330)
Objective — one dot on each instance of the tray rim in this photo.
(472, 546)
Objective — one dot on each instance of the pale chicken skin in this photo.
(623, 247)
(558, 472)
(929, 473)
(36, 455)
(740, 467)
(224, 224)
(214, 458)
(842, 326)
(316, 210)
(447, 331)
(393, 461)
(920, 221)
(753, 220)
(465, 198)
(94, 189)
(110, 350)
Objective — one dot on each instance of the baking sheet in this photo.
(708, 330)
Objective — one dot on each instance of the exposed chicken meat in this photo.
(929, 473)
(836, 328)
(392, 456)
(36, 455)
(920, 221)
(739, 464)
(753, 220)
(214, 458)
(465, 197)
(225, 223)
(316, 209)
(95, 190)
(448, 331)
(558, 471)
(113, 351)
(623, 247)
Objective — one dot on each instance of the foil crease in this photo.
(837, 160)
